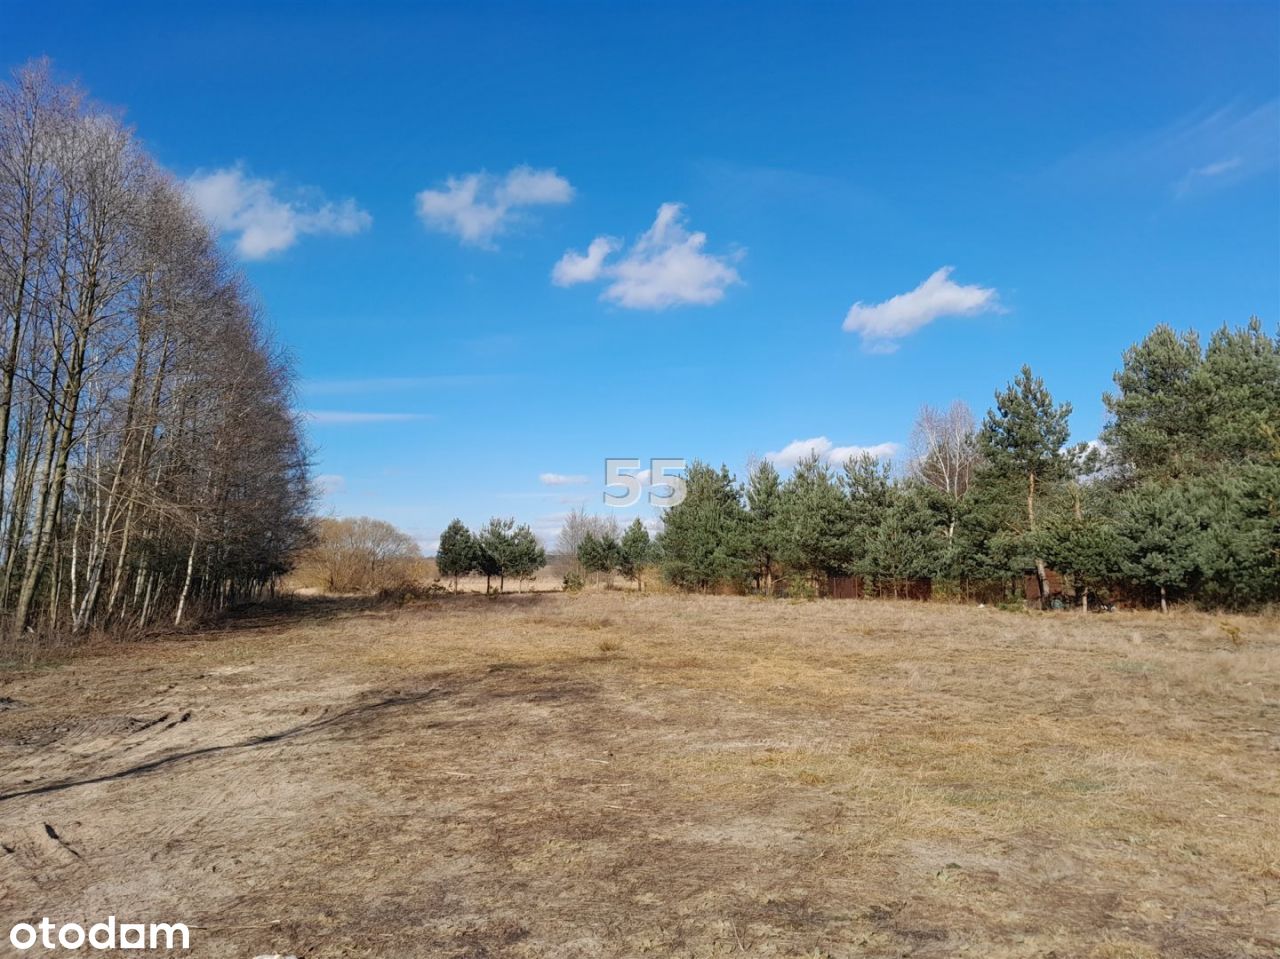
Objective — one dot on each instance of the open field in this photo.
(610, 774)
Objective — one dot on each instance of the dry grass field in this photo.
(612, 774)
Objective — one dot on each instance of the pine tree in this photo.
(1160, 535)
(764, 504)
(1239, 553)
(495, 550)
(599, 552)
(909, 542)
(1024, 435)
(634, 552)
(1158, 414)
(1085, 547)
(990, 541)
(524, 555)
(456, 555)
(868, 491)
(815, 523)
(1240, 380)
(703, 540)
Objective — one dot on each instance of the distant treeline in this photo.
(1179, 501)
(149, 459)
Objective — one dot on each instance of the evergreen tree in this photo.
(815, 522)
(910, 540)
(456, 555)
(1240, 381)
(1085, 547)
(495, 550)
(1024, 436)
(990, 541)
(1158, 414)
(600, 552)
(763, 532)
(524, 554)
(1160, 535)
(703, 540)
(868, 490)
(1239, 553)
(634, 552)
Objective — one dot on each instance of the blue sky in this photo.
(414, 192)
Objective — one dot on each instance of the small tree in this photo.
(494, 549)
(577, 525)
(634, 553)
(457, 554)
(909, 542)
(599, 553)
(944, 455)
(1160, 538)
(1086, 548)
(524, 557)
(763, 521)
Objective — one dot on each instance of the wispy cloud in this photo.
(327, 484)
(881, 325)
(478, 207)
(1200, 151)
(791, 454)
(1207, 172)
(667, 266)
(384, 384)
(563, 479)
(262, 221)
(547, 528)
(343, 417)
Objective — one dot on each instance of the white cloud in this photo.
(839, 455)
(562, 479)
(478, 207)
(327, 484)
(880, 324)
(666, 266)
(263, 222)
(573, 267)
(338, 417)
(791, 454)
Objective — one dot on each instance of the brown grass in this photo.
(614, 774)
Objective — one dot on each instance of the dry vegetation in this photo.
(611, 774)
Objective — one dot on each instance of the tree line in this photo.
(1179, 501)
(599, 548)
(150, 463)
(499, 549)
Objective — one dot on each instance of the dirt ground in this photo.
(611, 774)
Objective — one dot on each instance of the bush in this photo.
(573, 581)
(362, 555)
(801, 587)
(408, 591)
